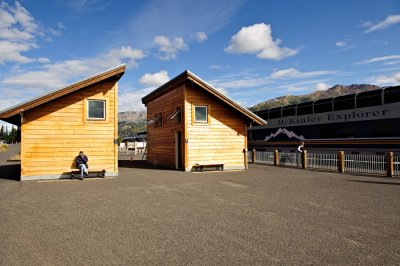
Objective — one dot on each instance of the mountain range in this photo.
(131, 122)
(320, 94)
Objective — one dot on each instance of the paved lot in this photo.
(265, 215)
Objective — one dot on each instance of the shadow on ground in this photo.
(10, 172)
(140, 164)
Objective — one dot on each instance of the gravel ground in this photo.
(265, 215)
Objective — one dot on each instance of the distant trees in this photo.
(10, 136)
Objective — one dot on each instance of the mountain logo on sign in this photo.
(283, 134)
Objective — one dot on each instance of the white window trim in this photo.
(200, 121)
(104, 109)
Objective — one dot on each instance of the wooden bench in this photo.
(97, 171)
(219, 166)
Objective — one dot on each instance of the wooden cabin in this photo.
(55, 127)
(191, 125)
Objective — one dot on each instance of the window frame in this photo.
(207, 121)
(104, 118)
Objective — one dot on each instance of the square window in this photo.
(201, 114)
(96, 109)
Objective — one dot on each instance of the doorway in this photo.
(178, 150)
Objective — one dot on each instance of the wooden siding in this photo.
(55, 132)
(221, 140)
(161, 140)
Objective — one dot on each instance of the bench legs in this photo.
(102, 174)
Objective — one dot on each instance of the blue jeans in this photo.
(83, 169)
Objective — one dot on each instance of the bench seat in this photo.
(219, 166)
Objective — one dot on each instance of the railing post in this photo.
(304, 159)
(253, 155)
(135, 147)
(276, 158)
(389, 164)
(340, 162)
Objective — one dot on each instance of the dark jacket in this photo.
(82, 160)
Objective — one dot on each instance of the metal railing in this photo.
(328, 161)
(396, 165)
(365, 163)
(378, 164)
(266, 157)
(290, 159)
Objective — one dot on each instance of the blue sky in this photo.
(251, 50)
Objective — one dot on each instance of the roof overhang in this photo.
(12, 114)
(188, 76)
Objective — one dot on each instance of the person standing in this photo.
(299, 155)
(81, 164)
(301, 147)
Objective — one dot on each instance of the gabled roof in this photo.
(187, 75)
(11, 114)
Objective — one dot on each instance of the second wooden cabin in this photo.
(191, 124)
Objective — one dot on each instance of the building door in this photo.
(178, 150)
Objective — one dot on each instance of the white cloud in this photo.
(257, 40)
(246, 80)
(132, 101)
(222, 90)
(321, 86)
(59, 74)
(18, 31)
(168, 49)
(389, 21)
(292, 73)
(155, 79)
(396, 77)
(344, 45)
(43, 60)
(117, 55)
(391, 63)
(380, 59)
(16, 23)
(341, 44)
(387, 80)
(201, 36)
(11, 52)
